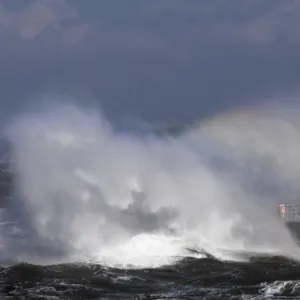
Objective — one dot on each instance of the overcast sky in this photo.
(159, 60)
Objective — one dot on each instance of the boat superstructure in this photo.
(290, 215)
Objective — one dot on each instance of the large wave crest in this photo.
(85, 191)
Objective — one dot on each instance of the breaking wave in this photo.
(85, 191)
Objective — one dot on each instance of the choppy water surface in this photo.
(207, 278)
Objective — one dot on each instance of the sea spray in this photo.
(86, 192)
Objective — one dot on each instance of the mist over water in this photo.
(87, 192)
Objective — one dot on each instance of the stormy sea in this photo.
(95, 209)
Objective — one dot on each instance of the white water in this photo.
(215, 188)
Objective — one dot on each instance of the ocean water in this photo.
(102, 213)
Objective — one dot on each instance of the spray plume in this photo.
(86, 192)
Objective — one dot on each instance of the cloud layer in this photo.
(155, 59)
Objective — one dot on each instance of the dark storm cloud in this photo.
(159, 59)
